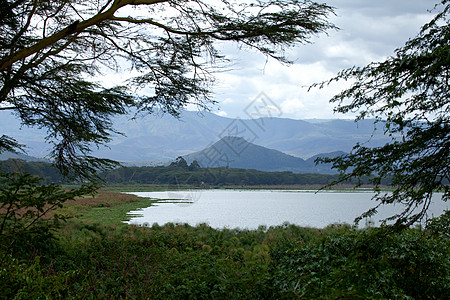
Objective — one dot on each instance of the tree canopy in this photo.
(52, 51)
(409, 94)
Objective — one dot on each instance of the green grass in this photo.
(114, 215)
(106, 207)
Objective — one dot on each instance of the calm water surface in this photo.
(252, 208)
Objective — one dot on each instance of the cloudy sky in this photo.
(369, 31)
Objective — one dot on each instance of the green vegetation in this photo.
(27, 209)
(366, 264)
(207, 177)
(408, 94)
(46, 171)
(179, 174)
(93, 261)
(107, 208)
(112, 215)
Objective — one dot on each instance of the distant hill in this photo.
(156, 138)
(236, 152)
(12, 155)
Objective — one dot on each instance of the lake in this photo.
(249, 209)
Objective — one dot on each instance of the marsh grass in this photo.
(106, 207)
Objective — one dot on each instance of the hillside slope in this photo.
(236, 152)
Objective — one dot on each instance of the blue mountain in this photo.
(161, 138)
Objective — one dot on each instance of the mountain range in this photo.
(158, 138)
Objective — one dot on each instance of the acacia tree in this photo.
(409, 94)
(51, 52)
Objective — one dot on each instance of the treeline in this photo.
(179, 173)
(211, 176)
(44, 170)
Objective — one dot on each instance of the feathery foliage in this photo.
(409, 94)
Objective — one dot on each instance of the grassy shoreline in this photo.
(106, 207)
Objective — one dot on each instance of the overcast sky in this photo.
(369, 31)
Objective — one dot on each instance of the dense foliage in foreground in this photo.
(91, 261)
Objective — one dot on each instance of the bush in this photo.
(27, 218)
(32, 280)
(364, 264)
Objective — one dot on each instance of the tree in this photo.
(194, 166)
(180, 162)
(51, 51)
(409, 94)
(24, 206)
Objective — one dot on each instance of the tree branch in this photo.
(73, 28)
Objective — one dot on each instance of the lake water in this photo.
(248, 209)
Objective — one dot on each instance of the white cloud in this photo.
(369, 31)
(221, 113)
(292, 105)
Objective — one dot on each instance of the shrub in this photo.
(25, 207)
(365, 264)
